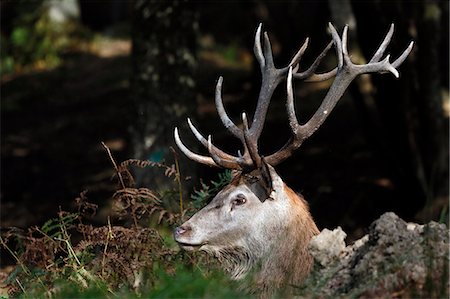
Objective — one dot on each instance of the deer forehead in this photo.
(255, 192)
(232, 191)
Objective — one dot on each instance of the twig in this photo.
(109, 236)
(178, 177)
(22, 265)
(21, 286)
(114, 164)
(66, 238)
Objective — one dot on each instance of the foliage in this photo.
(36, 40)
(67, 257)
(207, 192)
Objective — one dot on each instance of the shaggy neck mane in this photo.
(236, 261)
(289, 262)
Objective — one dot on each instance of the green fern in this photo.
(201, 197)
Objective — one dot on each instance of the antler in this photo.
(345, 72)
(249, 135)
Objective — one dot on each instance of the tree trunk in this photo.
(163, 61)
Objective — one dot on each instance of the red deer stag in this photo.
(257, 225)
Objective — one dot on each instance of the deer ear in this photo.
(271, 179)
(266, 176)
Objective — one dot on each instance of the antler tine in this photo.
(337, 44)
(268, 51)
(387, 39)
(271, 77)
(322, 77)
(250, 142)
(257, 49)
(298, 56)
(374, 67)
(404, 55)
(347, 59)
(297, 139)
(217, 158)
(191, 155)
(310, 71)
(226, 120)
(263, 53)
(309, 75)
(293, 122)
(204, 142)
(345, 73)
(224, 163)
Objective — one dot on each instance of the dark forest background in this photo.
(75, 73)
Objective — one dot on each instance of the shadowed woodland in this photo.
(75, 74)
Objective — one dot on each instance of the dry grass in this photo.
(110, 257)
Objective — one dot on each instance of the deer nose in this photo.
(182, 230)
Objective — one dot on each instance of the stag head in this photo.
(244, 221)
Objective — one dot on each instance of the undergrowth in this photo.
(208, 191)
(35, 40)
(67, 257)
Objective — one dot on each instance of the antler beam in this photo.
(346, 72)
(249, 135)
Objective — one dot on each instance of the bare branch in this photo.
(119, 174)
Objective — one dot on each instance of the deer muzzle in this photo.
(182, 236)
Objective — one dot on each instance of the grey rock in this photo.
(328, 245)
(396, 259)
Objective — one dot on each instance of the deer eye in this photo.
(239, 200)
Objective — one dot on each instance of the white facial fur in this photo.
(226, 222)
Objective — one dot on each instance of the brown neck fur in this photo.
(289, 262)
